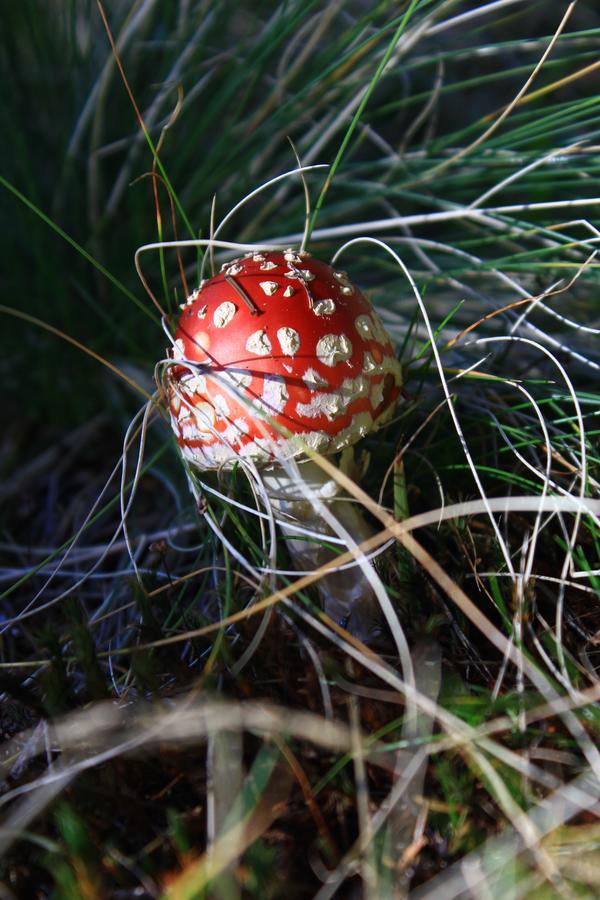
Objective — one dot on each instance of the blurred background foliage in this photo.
(225, 84)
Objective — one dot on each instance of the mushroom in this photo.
(277, 353)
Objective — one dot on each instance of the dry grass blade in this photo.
(482, 869)
(198, 875)
(433, 173)
(407, 823)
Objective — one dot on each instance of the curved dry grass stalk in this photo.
(88, 738)
(398, 531)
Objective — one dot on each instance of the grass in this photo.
(179, 717)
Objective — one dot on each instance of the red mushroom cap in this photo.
(278, 350)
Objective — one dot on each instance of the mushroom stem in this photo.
(346, 595)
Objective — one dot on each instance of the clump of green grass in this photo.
(179, 718)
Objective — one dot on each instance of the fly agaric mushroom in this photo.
(279, 352)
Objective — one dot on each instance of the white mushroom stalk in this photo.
(276, 354)
(309, 497)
